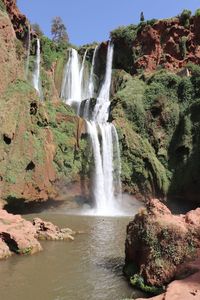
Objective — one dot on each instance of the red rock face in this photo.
(160, 45)
(17, 236)
(19, 21)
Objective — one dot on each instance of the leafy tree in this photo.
(36, 28)
(142, 17)
(59, 31)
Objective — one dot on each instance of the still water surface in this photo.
(89, 268)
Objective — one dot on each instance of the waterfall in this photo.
(36, 73)
(101, 110)
(84, 83)
(91, 79)
(28, 50)
(103, 135)
(71, 86)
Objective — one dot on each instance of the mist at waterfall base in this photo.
(77, 92)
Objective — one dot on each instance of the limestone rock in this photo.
(48, 231)
(16, 236)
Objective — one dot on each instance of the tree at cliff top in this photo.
(37, 29)
(142, 17)
(59, 31)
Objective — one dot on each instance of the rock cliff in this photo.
(154, 105)
(42, 147)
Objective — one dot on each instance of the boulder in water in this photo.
(49, 231)
(159, 243)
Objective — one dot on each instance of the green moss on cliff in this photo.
(39, 143)
(157, 120)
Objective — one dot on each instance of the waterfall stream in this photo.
(103, 135)
(36, 73)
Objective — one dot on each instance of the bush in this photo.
(197, 12)
(185, 17)
(186, 90)
(183, 47)
(195, 79)
(160, 84)
(128, 33)
(194, 69)
(151, 22)
(169, 80)
(51, 51)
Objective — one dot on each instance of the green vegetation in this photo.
(2, 6)
(185, 18)
(127, 33)
(155, 116)
(52, 51)
(183, 46)
(25, 251)
(138, 282)
(197, 12)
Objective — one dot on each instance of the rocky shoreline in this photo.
(18, 236)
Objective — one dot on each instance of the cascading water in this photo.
(101, 110)
(71, 85)
(91, 79)
(103, 135)
(36, 73)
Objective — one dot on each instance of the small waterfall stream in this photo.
(36, 73)
(103, 135)
(71, 86)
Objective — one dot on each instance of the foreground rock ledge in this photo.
(183, 289)
(21, 237)
(160, 247)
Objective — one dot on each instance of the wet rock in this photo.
(48, 231)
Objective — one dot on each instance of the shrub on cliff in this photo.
(197, 12)
(128, 33)
(185, 17)
(186, 90)
(183, 46)
(51, 51)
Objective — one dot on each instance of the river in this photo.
(88, 268)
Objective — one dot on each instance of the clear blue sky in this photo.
(92, 20)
